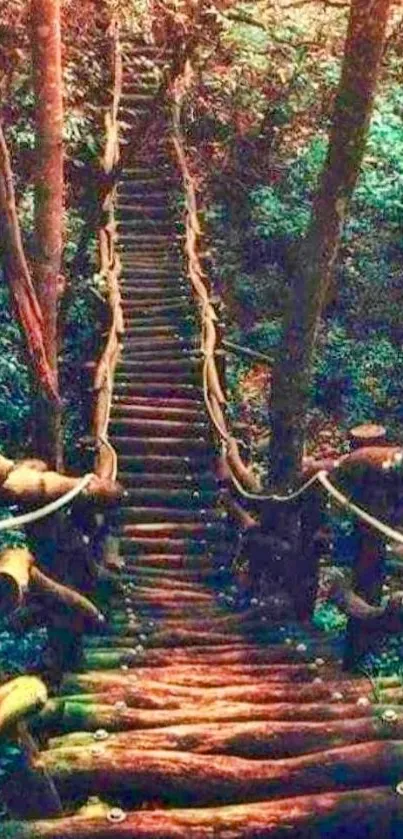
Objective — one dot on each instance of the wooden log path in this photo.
(195, 715)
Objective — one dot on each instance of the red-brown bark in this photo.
(376, 811)
(275, 739)
(65, 715)
(210, 779)
(47, 76)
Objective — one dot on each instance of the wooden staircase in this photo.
(198, 714)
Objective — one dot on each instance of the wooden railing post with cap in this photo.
(368, 563)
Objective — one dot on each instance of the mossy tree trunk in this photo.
(47, 79)
(311, 281)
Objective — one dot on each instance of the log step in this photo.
(189, 499)
(374, 811)
(168, 514)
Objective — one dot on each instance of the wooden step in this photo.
(184, 547)
(167, 497)
(167, 428)
(161, 481)
(167, 515)
(166, 412)
(159, 445)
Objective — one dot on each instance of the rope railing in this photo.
(106, 460)
(13, 522)
(242, 479)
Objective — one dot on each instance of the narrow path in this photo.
(195, 715)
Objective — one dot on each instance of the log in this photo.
(153, 694)
(6, 465)
(198, 676)
(15, 569)
(209, 779)
(27, 484)
(369, 459)
(162, 639)
(62, 715)
(248, 739)
(248, 620)
(214, 656)
(54, 594)
(19, 698)
(376, 811)
(162, 595)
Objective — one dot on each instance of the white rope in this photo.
(27, 518)
(256, 496)
(342, 499)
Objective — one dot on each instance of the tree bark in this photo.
(210, 779)
(66, 716)
(47, 78)
(367, 812)
(152, 695)
(311, 282)
(275, 739)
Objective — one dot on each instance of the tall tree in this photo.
(47, 76)
(316, 258)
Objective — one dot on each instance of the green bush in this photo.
(360, 380)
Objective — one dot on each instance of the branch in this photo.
(377, 619)
(349, 602)
(248, 20)
(18, 276)
(329, 4)
(57, 594)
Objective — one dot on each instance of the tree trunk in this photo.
(18, 277)
(310, 284)
(47, 78)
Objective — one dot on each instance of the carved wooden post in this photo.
(368, 434)
(368, 567)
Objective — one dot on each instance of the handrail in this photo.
(48, 509)
(106, 460)
(238, 471)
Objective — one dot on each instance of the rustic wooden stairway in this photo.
(195, 714)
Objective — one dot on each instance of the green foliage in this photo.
(284, 210)
(15, 407)
(380, 188)
(328, 618)
(265, 335)
(358, 379)
(385, 659)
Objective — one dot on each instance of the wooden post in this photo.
(369, 561)
(368, 434)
